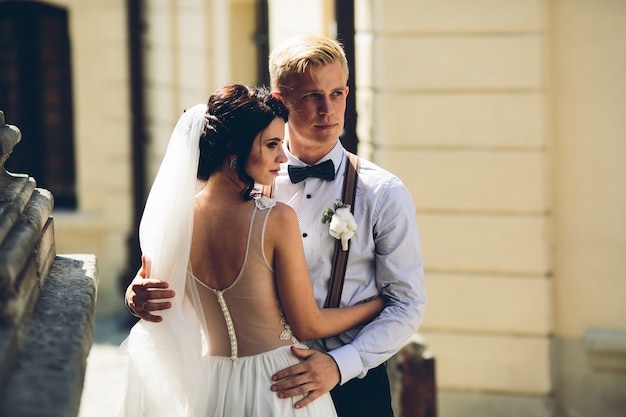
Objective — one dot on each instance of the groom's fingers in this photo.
(149, 307)
(145, 296)
(325, 376)
(316, 375)
(286, 376)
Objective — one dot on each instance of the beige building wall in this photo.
(102, 143)
(288, 18)
(589, 202)
(455, 101)
(505, 120)
(191, 47)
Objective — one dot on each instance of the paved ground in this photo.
(105, 379)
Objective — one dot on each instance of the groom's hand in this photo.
(143, 292)
(316, 375)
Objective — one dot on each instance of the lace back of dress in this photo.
(245, 318)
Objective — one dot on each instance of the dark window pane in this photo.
(36, 95)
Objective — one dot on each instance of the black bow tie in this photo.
(324, 170)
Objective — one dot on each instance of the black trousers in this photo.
(367, 397)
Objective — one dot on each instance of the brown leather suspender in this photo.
(340, 257)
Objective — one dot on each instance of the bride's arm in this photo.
(283, 245)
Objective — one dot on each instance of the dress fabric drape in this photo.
(169, 360)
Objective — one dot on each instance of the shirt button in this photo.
(305, 234)
(308, 196)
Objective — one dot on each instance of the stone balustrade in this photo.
(47, 302)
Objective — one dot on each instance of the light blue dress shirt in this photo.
(385, 255)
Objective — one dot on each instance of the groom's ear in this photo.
(277, 94)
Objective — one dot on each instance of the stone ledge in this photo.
(489, 404)
(606, 349)
(48, 374)
(15, 192)
(22, 291)
(17, 301)
(25, 234)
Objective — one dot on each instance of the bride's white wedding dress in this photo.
(250, 338)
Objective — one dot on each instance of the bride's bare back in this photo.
(236, 282)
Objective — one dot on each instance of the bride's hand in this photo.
(145, 295)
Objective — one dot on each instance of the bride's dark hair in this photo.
(235, 115)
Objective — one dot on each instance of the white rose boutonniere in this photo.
(342, 224)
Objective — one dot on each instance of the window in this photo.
(36, 95)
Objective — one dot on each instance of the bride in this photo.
(235, 261)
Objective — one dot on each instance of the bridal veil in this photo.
(168, 361)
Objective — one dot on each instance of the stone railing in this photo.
(47, 302)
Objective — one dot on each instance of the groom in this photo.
(310, 75)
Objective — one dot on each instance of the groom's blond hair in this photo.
(295, 55)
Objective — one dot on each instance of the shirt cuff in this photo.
(348, 361)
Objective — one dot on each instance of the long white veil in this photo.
(168, 371)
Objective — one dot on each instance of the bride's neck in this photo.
(224, 184)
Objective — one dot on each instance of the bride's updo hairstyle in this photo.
(235, 115)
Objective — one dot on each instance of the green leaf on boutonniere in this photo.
(327, 215)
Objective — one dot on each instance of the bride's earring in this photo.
(233, 164)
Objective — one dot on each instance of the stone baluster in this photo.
(26, 240)
(412, 378)
(47, 302)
